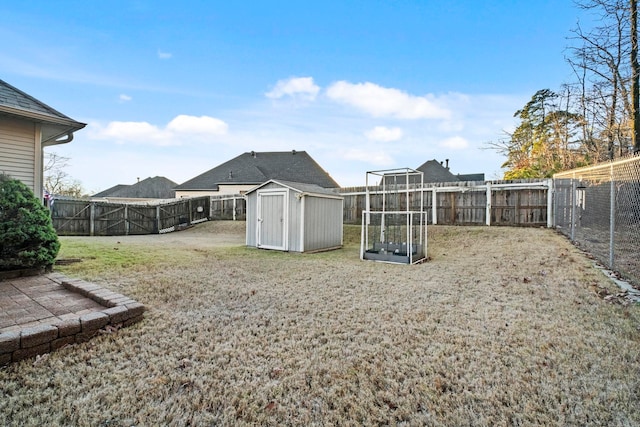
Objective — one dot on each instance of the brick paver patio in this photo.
(32, 301)
(40, 314)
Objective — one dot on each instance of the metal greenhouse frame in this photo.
(391, 233)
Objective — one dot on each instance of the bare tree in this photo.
(601, 63)
(635, 73)
(57, 180)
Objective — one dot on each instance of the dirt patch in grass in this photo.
(502, 326)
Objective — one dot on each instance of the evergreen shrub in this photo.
(27, 237)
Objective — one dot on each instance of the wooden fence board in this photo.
(464, 203)
(511, 204)
(95, 218)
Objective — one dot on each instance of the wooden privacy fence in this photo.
(513, 203)
(516, 203)
(73, 217)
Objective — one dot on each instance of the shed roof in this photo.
(300, 187)
(258, 167)
(16, 103)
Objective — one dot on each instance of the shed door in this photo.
(272, 220)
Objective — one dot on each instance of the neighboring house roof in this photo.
(258, 167)
(14, 102)
(434, 171)
(111, 190)
(471, 177)
(158, 187)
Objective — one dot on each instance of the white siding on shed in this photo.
(322, 223)
(313, 221)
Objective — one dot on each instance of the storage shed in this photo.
(296, 217)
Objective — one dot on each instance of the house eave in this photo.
(216, 186)
(59, 126)
(42, 118)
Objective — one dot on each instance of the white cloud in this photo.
(378, 157)
(454, 143)
(164, 55)
(139, 132)
(384, 134)
(178, 130)
(302, 87)
(202, 125)
(124, 97)
(386, 102)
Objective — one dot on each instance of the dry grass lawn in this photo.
(502, 326)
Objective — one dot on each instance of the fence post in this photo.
(573, 208)
(158, 224)
(488, 212)
(126, 220)
(454, 211)
(550, 206)
(434, 205)
(92, 216)
(234, 208)
(190, 212)
(612, 218)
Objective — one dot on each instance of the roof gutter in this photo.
(41, 117)
(321, 195)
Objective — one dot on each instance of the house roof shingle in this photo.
(434, 172)
(110, 191)
(258, 167)
(14, 102)
(158, 187)
(471, 176)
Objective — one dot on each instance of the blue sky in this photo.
(175, 88)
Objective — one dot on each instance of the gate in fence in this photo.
(598, 208)
(228, 207)
(97, 218)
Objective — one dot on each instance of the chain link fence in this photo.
(598, 208)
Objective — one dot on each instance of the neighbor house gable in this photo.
(434, 171)
(157, 187)
(253, 168)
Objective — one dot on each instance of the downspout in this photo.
(39, 181)
(69, 138)
(38, 160)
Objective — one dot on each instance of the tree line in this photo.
(595, 117)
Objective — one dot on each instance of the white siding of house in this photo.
(183, 194)
(20, 155)
(223, 190)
